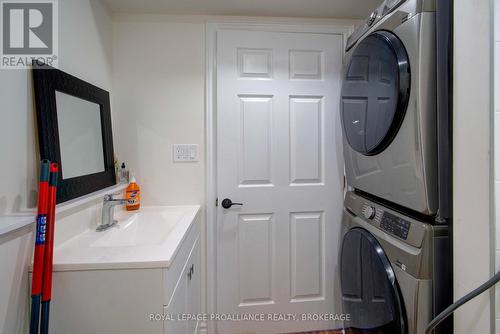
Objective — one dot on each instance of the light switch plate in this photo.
(185, 152)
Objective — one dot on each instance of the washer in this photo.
(388, 105)
(393, 269)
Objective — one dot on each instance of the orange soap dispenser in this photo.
(133, 195)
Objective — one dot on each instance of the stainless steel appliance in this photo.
(393, 269)
(388, 105)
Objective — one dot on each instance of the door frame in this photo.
(330, 27)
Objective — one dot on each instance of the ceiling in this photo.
(342, 9)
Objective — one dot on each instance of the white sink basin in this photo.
(150, 226)
(148, 238)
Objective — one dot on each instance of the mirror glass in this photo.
(80, 136)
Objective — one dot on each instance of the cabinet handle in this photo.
(190, 272)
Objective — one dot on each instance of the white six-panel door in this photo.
(278, 153)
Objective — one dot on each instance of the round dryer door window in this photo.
(370, 293)
(375, 92)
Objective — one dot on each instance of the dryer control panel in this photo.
(395, 225)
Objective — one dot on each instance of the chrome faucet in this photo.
(108, 206)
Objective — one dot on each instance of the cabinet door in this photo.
(186, 298)
(177, 308)
(194, 288)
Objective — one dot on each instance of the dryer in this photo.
(388, 106)
(393, 269)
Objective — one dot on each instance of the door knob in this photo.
(227, 203)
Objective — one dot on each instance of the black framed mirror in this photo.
(74, 130)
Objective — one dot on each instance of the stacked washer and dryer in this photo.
(394, 261)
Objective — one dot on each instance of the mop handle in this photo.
(49, 248)
(41, 223)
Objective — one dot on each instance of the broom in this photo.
(41, 223)
(49, 248)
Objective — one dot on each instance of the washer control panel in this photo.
(392, 223)
(395, 225)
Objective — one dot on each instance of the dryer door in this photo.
(375, 92)
(370, 293)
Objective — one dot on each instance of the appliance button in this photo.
(372, 18)
(369, 212)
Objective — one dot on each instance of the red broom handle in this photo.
(40, 230)
(49, 244)
(41, 223)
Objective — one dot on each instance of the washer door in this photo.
(370, 293)
(375, 92)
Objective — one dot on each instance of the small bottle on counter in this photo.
(133, 195)
(124, 174)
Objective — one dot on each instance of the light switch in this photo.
(185, 152)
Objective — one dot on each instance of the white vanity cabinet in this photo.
(138, 293)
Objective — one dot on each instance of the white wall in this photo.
(472, 180)
(84, 51)
(158, 98)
